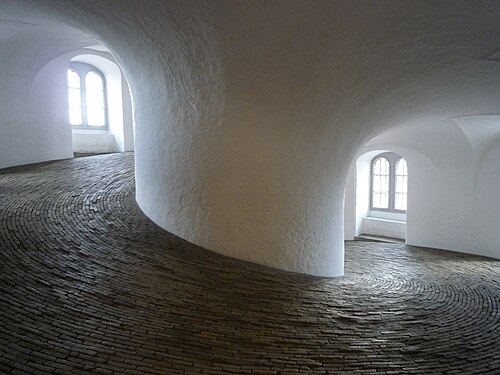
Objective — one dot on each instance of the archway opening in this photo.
(36, 124)
(376, 197)
(109, 106)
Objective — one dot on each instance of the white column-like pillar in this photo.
(221, 158)
(220, 161)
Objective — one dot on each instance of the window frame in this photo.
(374, 162)
(82, 69)
(393, 160)
(405, 178)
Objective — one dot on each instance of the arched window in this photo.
(389, 183)
(86, 97)
(380, 183)
(400, 185)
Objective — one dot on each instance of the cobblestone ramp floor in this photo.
(89, 285)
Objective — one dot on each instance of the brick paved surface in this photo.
(89, 285)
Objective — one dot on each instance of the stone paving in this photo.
(89, 285)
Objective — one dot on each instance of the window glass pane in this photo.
(74, 98)
(94, 95)
(95, 117)
(73, 79)
(93, 82)
(380, 183)
(401, 189)
(75, 115)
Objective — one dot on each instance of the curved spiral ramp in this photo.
(89, 285)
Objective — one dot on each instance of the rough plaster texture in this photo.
(249, 114)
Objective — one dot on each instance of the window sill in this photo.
(385, 220)
(390, 216)
(90, 131)
(384, 227)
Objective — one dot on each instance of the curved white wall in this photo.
(32, 126)
(248, 113)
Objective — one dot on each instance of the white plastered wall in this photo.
(248, 114)
(34, 124)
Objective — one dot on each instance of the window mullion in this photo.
(392, 185)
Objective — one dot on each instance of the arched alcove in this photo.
(34, 126)
(359, 216)
(119, 134)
